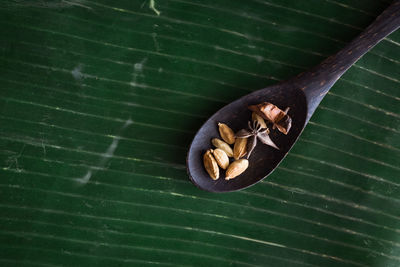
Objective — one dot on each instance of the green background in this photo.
(99, 101)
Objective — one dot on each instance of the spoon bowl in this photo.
(264, 158)
(302, 94)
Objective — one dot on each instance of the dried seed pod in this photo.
(236, 168)
(221, 158)
(256, 117)
(284, 124)
(210, 164)
(273, 114)
(226, 133)
(218, 143)
(240, 148)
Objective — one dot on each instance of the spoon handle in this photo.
(316, 82)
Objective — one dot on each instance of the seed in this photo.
(256, 117)
(240, 148)
(226, 133)
(210, 164)
(218, 143)
(236, 168)
(221, 158)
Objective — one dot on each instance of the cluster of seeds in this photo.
(244, 141)
(217, 158)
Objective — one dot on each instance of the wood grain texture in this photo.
(99, 101)
(318, 81)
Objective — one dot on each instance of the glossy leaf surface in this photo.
(99, 101)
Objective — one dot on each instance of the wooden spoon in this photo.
(302, 94)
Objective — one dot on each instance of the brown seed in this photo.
(218, 143)
(210, 164)
(226, 133)
(236, 168)
(256, 117)
(221, 158)
(240, 148)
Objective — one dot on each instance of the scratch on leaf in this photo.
(152, 7)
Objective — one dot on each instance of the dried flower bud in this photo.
(256, 117)
(251, 144)
(275, 115)
(244, 133)
(265, 139)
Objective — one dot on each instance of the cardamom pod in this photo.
(236, 168)
(210, 164)
(218, 143)
(256, 117)
(226, 133)
(221, 158)
(240, 148)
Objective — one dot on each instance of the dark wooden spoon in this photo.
(302, 94)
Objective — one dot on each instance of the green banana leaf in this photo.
(99, 101)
